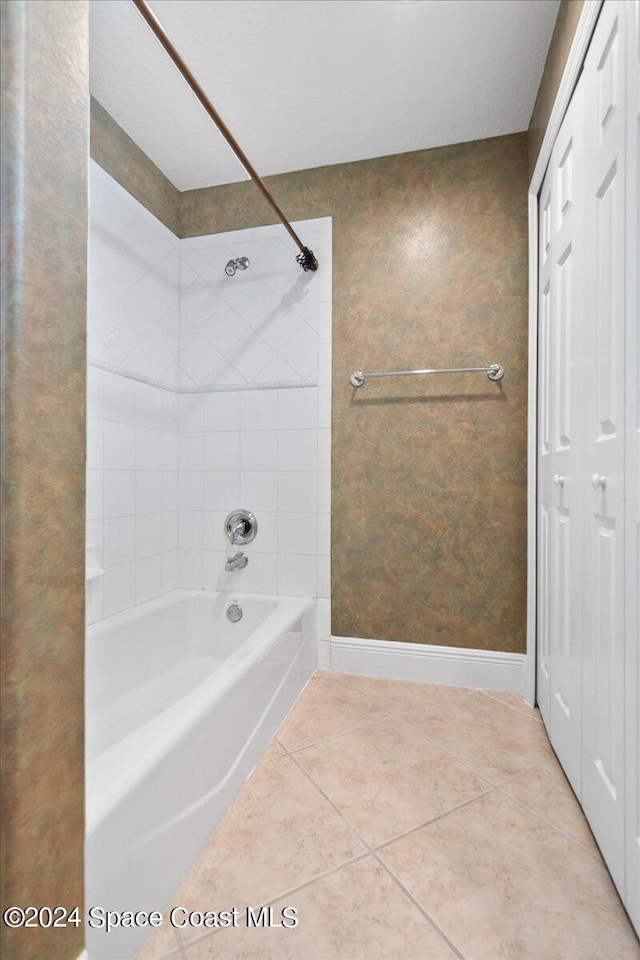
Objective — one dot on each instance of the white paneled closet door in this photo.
(602, 473)
(632, 471)
(588, 668)
(545, 312)
(562, 431)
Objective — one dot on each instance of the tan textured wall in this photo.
(44, 228)
(116, 153)
(561, 40)
(429, 475)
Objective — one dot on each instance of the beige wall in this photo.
(131, 167)
(44, 229)
(563, 33)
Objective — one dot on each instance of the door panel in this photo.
(632, 472)
(545, 351)
(566, 428)
(602, 476)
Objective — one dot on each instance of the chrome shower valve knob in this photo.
(597, 480)
(558, 480)
(241, 527)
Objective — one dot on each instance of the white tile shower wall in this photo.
(132, 491)
(266, 449)
(164, 466)
(133, 326)
(133, 289)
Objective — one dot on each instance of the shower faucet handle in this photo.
(241, 527)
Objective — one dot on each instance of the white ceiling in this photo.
(303, 83)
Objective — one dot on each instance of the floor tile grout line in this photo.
(377, 851)
(489, 694)
(455, 690)
(388, 715)
(428, 823)
(419, 907)
(486, 695)
(424, 823)
(182, 946)
(518, 776)
(335, 807)
(317, 878)
(550, 823)
(373, 851)
(492, 787)
(523, 773)
(435, 743)
(174, 953)
(280, 896)
(461, 692)
(369, 852)
(319, 743)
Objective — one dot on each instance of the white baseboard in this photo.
(323, 654)
(457, 666)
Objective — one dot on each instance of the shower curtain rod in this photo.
(306, 257)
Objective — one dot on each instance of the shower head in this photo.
(241, 263)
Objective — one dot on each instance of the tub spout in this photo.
(237, 562)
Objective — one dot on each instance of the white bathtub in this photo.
(180, 704)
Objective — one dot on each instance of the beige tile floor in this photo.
(405, 820)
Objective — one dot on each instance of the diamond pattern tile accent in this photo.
(164, 308)
(256, 321)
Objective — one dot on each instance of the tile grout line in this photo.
(523, 773)
(419, 907)
(492, 787)
(460, 806)
(372, 852)
(369, 850)
(435, 743)
(424, 823)
(330, 801)
(489, 694)
(428, 823)
(289, 892)
(554, 826)
(317, 877)
(456, 691)
(182, 946)
(388, 715)
(319, 743)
